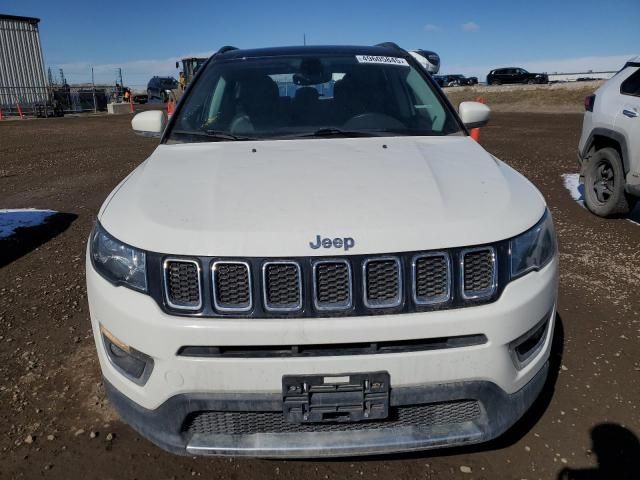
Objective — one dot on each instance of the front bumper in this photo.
(180, 386)
(165, 426)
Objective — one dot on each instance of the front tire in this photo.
(604, 184)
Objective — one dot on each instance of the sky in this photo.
(471, 37)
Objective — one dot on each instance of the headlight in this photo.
(117, 262)
(534, 248)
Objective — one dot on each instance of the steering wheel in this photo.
(373, 121)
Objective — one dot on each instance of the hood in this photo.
(272, 198)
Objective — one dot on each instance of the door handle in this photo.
(630, 113)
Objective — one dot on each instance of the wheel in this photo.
(531, 81)
(496, 82)
(604, 184)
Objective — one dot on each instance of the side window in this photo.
(631, 86)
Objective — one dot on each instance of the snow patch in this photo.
(572, 183)
(11, 220)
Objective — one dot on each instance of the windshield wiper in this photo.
(334, 132)
(224, 135)
(213, 135)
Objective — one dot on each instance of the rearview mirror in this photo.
(149, 124)
(474, 114)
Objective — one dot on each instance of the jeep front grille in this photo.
(432, 278)
(282, 286)
(382, 282)
(183, 286)
(332, 285)
(247, 423)
(352, 285)
(231, 286)
(478, 273)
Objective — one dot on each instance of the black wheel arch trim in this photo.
(612, 135)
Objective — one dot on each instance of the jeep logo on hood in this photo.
(346, 243)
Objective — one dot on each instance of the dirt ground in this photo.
(554, 98)
(56, 423)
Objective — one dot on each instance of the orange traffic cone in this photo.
(170, 107)
(131, 109)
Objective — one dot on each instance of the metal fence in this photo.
(56, 100)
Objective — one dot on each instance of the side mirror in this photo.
(149, 124)
(177, 64)
(474, 114)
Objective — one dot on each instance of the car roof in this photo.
(312, 50)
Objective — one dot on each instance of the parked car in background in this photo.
(160, 87)
(609, 148)
(455, 80)
(501, 76)
(140, 98)
(246, 299)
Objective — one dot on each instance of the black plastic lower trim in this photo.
(164, 425)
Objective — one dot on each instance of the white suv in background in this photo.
(318, 260)
(609, 149)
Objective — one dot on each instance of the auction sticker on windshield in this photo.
(381, 59)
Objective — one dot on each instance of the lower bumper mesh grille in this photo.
(246, 423)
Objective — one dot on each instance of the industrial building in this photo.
(23, 83)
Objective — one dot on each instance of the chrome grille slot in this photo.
(431, 278)
(478, 273)
(282, 286)
(332, 285)
(182, 284)
(231, 286)
(382, 282)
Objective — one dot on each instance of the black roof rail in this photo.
(392, 45)
(226, 48)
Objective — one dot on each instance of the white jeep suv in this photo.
(609, 149)
(318, 260)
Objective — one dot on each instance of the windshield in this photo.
(300, 96)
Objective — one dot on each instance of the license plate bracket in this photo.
(343, 398)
